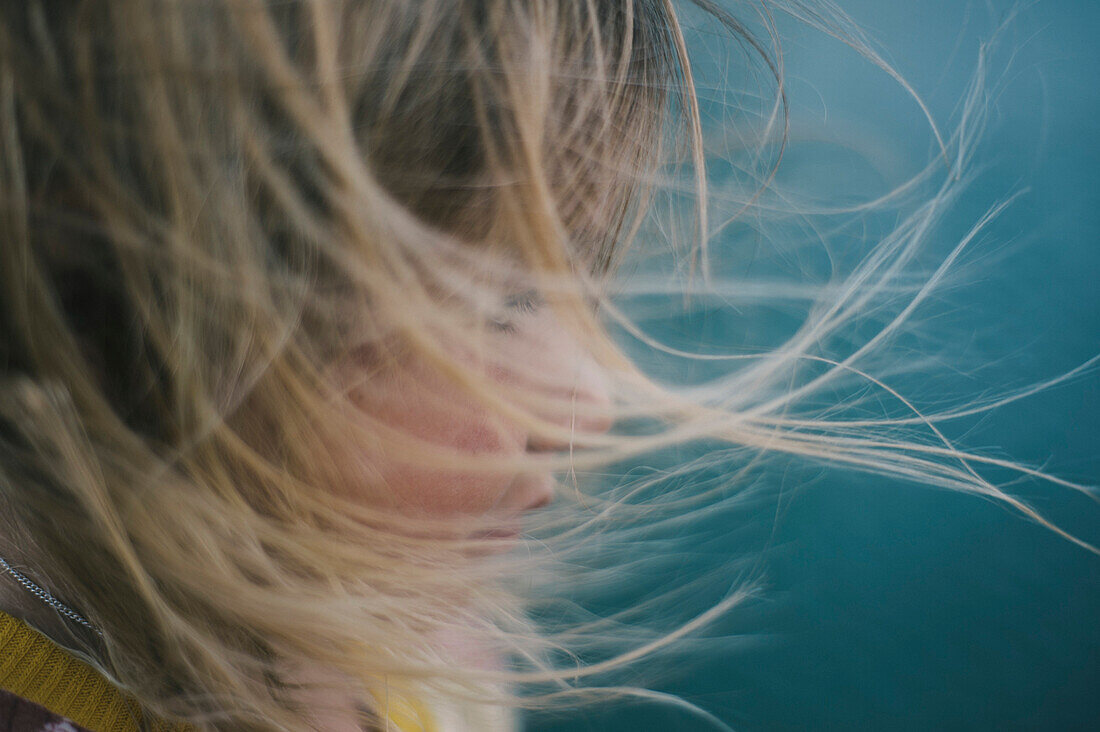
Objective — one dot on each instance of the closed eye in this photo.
(523, 303)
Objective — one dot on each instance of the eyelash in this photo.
(524, 302)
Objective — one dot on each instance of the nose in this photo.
(585, 406)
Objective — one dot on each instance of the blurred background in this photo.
(888, 606)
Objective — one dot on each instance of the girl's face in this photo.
(531, 351)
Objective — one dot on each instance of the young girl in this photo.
(305, 304)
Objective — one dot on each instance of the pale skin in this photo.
(536, 353)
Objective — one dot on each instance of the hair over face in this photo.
(207, 209)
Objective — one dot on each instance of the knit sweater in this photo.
(35, 669)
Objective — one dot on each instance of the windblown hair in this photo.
(207, 207)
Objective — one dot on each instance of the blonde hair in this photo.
(205, 206)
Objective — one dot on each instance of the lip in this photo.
(506, 534)
(500, 538)
(526, 493)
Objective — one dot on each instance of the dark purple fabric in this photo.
(19, 715)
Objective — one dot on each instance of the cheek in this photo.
(428, 412)
(442, 494)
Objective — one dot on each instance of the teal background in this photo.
(894, 607)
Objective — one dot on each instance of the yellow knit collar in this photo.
(37, 669)
(34, 667)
